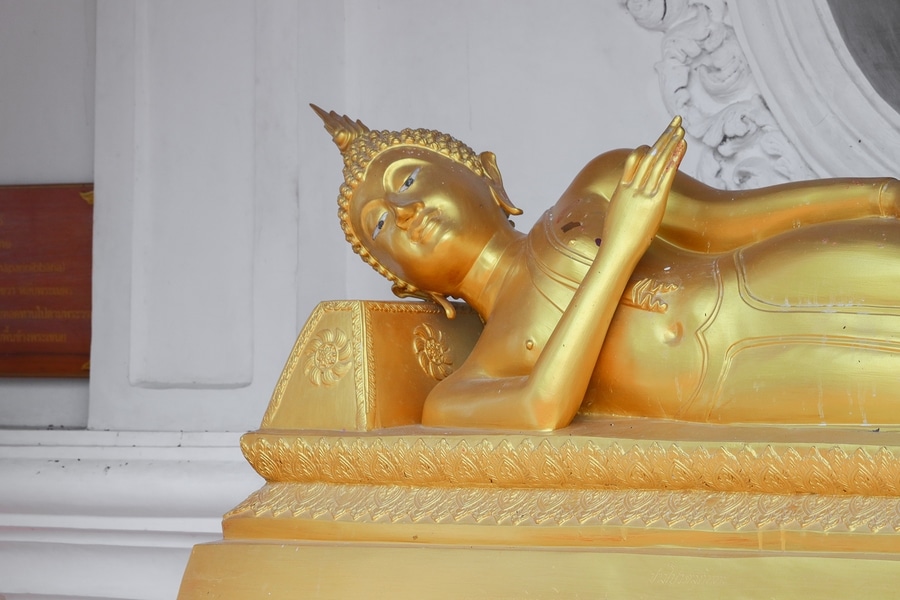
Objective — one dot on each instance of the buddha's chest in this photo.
(655, 329)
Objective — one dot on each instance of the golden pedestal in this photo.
(615, 508)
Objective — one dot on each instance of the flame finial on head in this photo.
(342, 128)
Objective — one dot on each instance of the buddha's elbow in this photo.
(433, 412)
(514, 406)
(547, 413)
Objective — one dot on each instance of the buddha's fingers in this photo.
(667, 161)
(658, 155)
(671, 169)
(632, 163)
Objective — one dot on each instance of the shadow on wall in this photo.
(869, 30)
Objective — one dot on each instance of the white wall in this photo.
(47, 106)
(46, 136)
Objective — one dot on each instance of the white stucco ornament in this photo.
(705, 76)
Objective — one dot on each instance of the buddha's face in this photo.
(424, 216)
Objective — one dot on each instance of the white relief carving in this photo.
(705, 77)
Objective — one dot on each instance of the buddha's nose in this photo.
(405, 212)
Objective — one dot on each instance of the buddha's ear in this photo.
(489, 162)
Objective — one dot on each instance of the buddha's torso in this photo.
(755, 335)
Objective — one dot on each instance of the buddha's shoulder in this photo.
(595, 183)
(598, 178)
(613, 160)
(573, 226)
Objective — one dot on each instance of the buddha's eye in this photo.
(409, 181)
(379, 225)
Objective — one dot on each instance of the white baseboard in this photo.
(111, 515)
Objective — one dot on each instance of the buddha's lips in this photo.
(423, 225)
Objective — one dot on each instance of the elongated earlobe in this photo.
(489, 162)
(439, 299)
(442, 301)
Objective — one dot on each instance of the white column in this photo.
(193, 220)
(201, 277)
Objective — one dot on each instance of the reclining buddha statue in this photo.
(641, 292)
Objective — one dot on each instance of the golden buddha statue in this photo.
(641, 292)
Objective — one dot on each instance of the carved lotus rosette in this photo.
(329, 357)
(432, 353)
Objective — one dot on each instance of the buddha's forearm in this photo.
(717, 221)
(480, 401)
(562, 373)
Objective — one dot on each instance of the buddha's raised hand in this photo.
(637, 206)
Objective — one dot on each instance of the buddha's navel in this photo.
(673, 334)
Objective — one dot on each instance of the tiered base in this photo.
(617, 509)
(243, 570)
